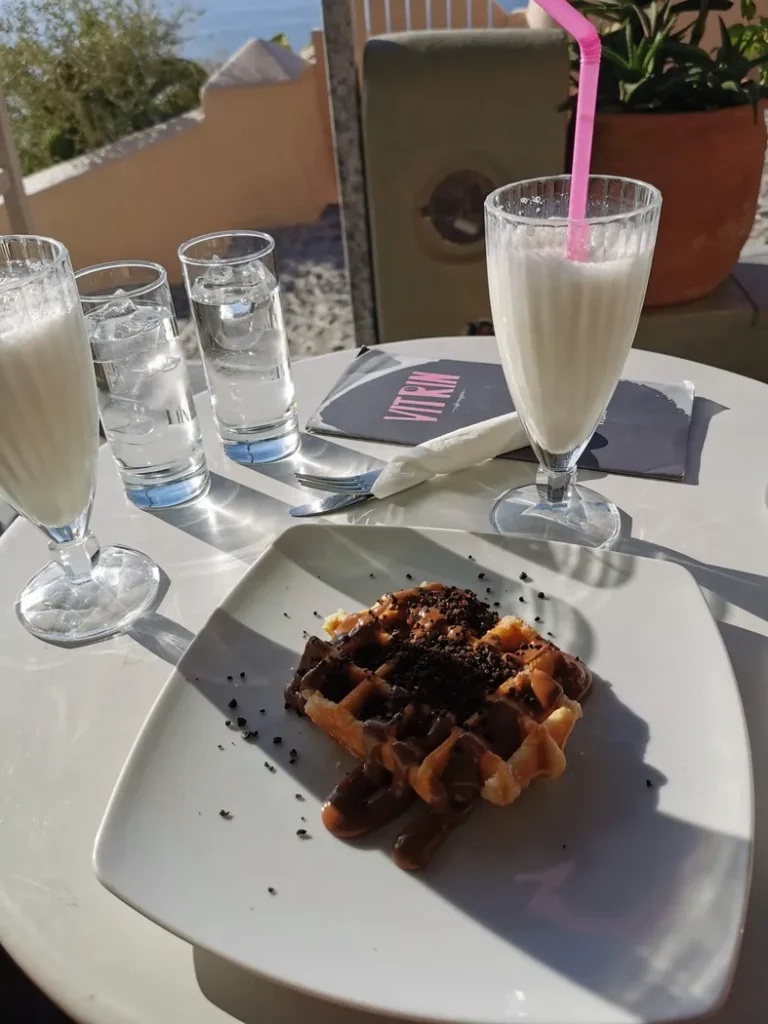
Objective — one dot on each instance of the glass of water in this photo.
(145, 398)
(231, 279)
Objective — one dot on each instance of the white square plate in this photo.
(614, 894)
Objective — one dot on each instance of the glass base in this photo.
(264, 450)
(57, 608)
(171, 493)
(588, 518)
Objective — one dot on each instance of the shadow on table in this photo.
(162, 636)
(746, 590)
(235, 519)
(551, 896)
(319, 455)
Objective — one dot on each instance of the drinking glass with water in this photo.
(145, 399)
(231, 279)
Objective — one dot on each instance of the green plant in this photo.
(653, 59)
(78, 74)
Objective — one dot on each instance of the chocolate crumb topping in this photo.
(459, 607)
(446, 675)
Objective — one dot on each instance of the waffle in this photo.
(442, 701)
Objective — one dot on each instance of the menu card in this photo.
(401, 399)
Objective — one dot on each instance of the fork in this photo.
(359, 483)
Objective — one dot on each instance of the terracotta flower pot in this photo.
(708, 166)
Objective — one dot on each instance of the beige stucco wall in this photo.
(253, 156)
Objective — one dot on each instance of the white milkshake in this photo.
(48, 415)
(564, 330)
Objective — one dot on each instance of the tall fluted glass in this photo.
(564, 328)
(49, 444)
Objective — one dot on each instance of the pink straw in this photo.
(585, 34)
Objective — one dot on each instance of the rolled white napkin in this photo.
(458, 450)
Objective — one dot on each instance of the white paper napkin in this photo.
(457, 450)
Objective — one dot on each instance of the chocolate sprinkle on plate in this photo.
(537, 619)
(220, 746)
(649, 784)
(228, 722)
(300, 797)
(232, 703)
(488, 590)
(301, 831)
(277, 740)
(481, 575)
(521, 599)
(271, 891)
(250, 734)
(524, 576)
(408, 576)
(242, 675)
(230, 678)
(262, 711)
(241, 722)
(471, 558)
(225, 814)
(542, 595)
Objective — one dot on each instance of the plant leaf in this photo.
(726, 46)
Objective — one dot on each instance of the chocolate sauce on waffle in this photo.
(416, 678)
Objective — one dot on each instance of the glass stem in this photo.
(76, 556)
(555, 486)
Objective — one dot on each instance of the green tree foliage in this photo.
(79, 74)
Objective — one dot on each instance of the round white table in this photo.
(68, 717)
